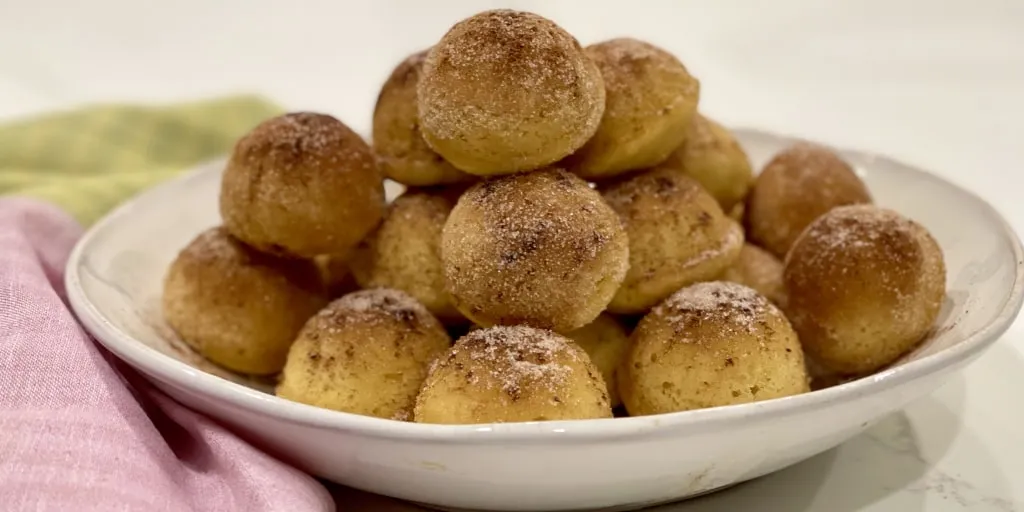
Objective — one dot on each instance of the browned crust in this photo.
(797, 186)
(506, 91)
(650, 101)
(865, 285)
(677, 234)
(236, 306)
(540, 248)
(301, 184)
(397, 140)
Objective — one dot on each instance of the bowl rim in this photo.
(153, 363)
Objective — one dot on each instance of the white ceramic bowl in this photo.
(114, 284)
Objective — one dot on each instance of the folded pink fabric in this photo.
(79, 431)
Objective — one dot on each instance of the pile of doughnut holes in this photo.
(594, 245)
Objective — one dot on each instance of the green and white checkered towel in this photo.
(90, 160)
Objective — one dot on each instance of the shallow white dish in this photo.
(114, 281)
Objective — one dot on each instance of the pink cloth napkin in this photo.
(79, 431)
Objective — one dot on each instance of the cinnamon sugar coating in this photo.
(797, 186)
(677, 234)
(539, 248)
(404, 252)
(711, 344)
(397, 138)
(865, 285)
(365, 353)
(301, 184)
(237, 307)
(512, 373)
(506, 91)
(651, 99)
(713, 157)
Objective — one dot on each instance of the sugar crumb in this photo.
(730, 306)
(376, 303)
(519, 357)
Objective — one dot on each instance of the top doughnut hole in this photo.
(506, 91)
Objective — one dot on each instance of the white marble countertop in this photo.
(936, 83)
